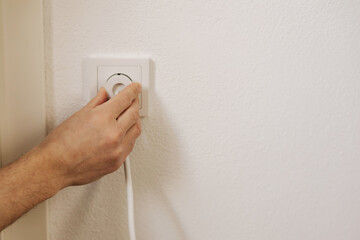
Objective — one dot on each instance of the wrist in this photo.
(46, 171)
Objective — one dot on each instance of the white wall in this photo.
(254, 129)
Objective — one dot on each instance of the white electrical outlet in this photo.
(97, 70)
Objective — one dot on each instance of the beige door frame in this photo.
(22, 98)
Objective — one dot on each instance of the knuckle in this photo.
(112, 138)
(93, 119)
(115, 165)
(118, 152)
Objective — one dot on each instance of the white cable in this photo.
(130, 199)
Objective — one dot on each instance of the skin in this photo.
(93, 142)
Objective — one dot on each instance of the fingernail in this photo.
(139, 87)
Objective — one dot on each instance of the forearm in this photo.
(25, 183)
(90, 144)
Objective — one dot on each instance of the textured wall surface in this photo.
(254, 126)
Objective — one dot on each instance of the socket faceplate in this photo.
(97, 69)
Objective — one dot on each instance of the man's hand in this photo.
(96, 140)
(90, 144)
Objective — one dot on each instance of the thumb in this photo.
(99, 99)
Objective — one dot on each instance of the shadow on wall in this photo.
(98, 210)
(156, 167)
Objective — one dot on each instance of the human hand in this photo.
(95, 140)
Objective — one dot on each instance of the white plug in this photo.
(116, 82)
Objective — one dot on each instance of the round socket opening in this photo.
(117, 88)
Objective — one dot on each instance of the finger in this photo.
(122, 100)
(99, 99)
(129, 140)
(130, 116)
